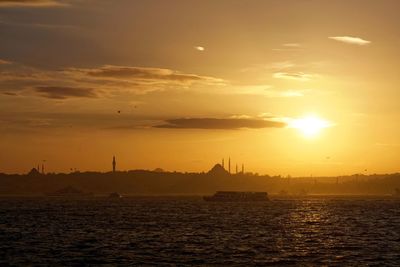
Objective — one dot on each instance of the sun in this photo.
(309, 126)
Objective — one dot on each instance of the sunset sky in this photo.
(299, 87)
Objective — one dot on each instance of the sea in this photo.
(186, 231)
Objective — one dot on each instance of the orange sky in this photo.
(182, 84)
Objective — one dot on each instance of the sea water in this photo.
(311, 231)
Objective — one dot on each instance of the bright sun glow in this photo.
(310, 126)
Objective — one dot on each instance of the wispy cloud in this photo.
(217, 123)
(282, 65)
(266, 91)
(4, 62)
(350, 40)
(291, 45)
(31, 3)
(299, 76)
(144, 74)
(137, 80)
(140, 79)
(9, 93)
(270, 67)
(58, 92)
(288, 47)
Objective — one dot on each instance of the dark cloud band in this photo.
(215, 123)
(30, 3)
(58, 92)
(143, 74)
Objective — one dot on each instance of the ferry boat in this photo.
(237, 196)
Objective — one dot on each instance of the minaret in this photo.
(114, 163)
(229, 165)
(223, 163)
(236, 169)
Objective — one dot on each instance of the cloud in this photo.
(139, 80)
(30, 3)
(143, 74)
(59, 92)
(290, 93)
(291, 45)
(350, 40)
(9, 93)
(265, 91)
(282, 65)
(215, 123)
(109, 78)
(299, 76)
(4, 62)
(288, 47)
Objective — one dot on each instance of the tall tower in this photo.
(229, 165)
(114, 163)
(236, 168)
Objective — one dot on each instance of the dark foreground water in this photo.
(188, 231)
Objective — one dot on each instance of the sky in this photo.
(288, 87)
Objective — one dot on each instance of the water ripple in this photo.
(188, 231)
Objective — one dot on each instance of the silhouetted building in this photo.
(229, 165)
(34, 172)
(218, 170)
(114, 164)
